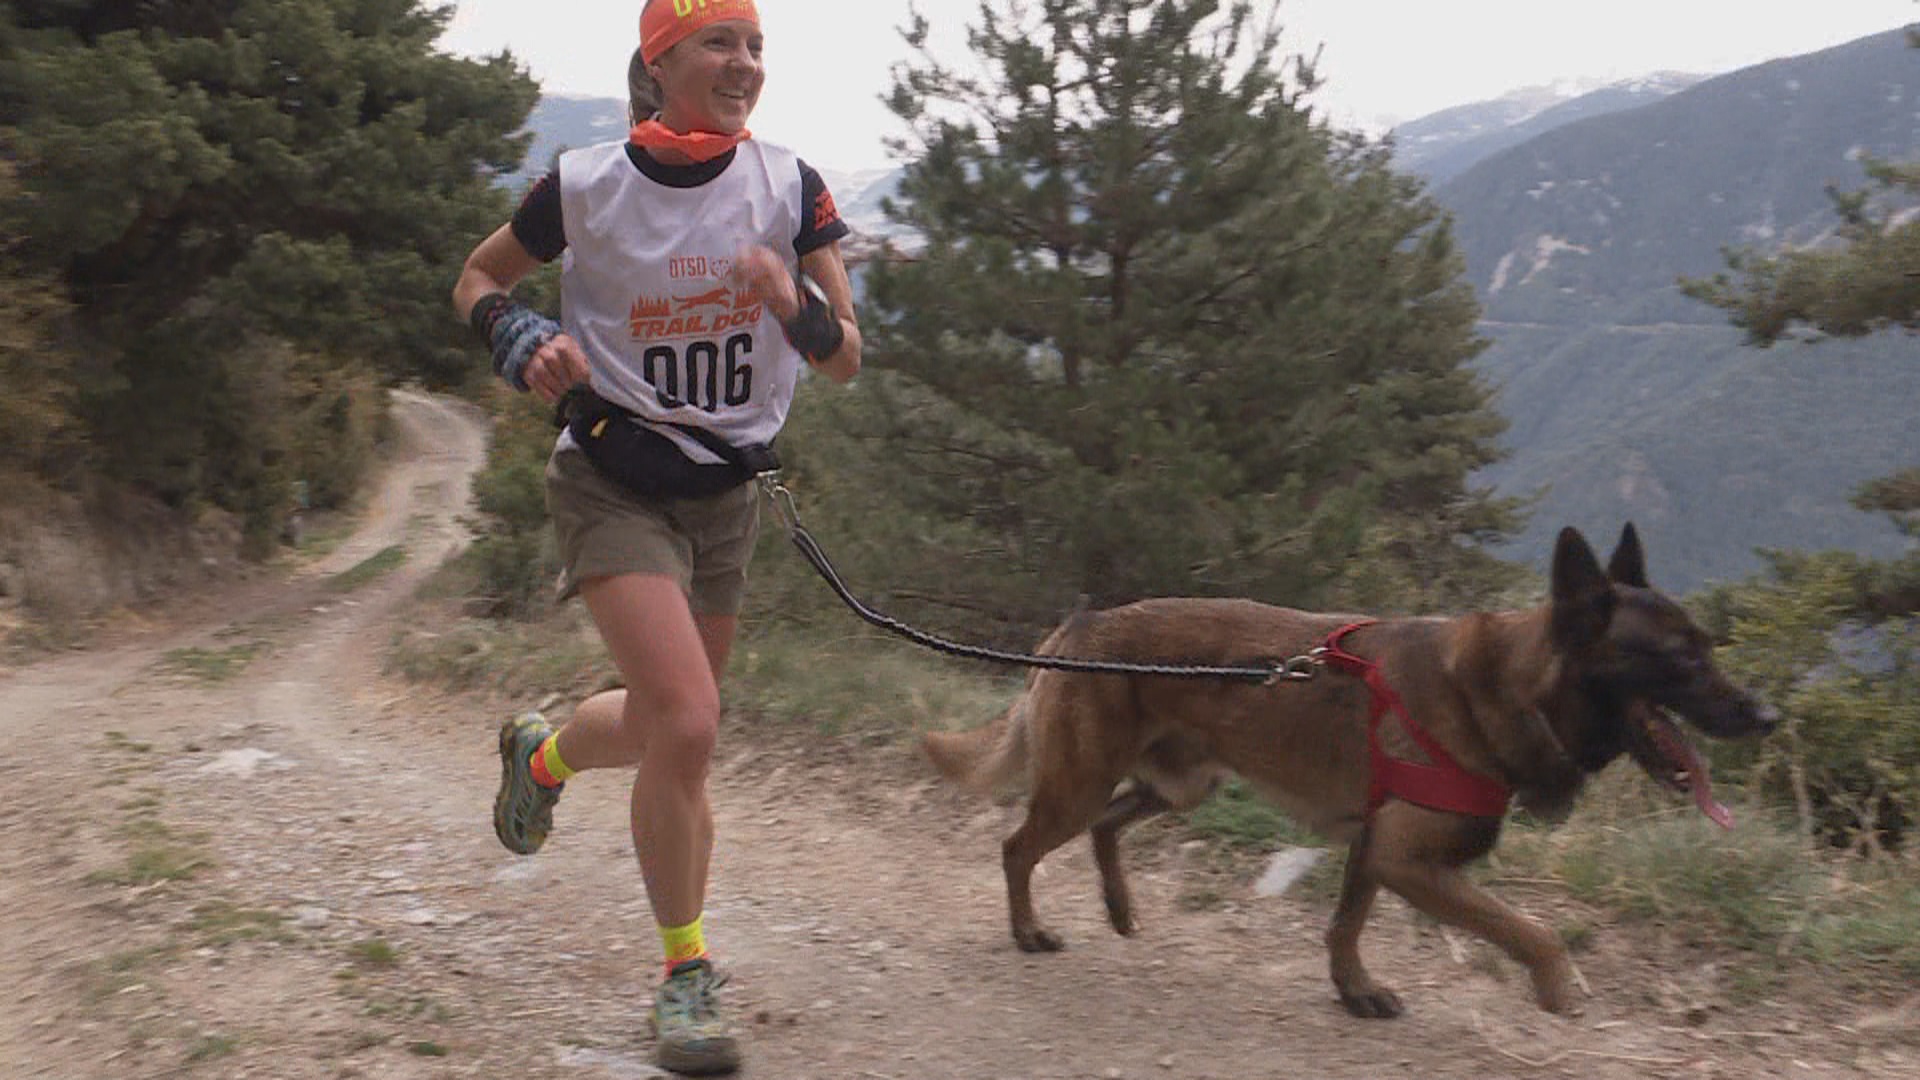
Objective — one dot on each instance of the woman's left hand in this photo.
(759, 272)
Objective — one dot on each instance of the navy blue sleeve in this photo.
(537, 223)
(820, 222)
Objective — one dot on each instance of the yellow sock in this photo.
(548, 769)
(684, 943)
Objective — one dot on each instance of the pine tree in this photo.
(1868, 283)
(312, 169)
(243, 199)
(1165, 332)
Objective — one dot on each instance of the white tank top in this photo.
(645, 290)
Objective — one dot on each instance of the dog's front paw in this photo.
(1038, 939)
(1553, 989)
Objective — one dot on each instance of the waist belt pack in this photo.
(647, 463)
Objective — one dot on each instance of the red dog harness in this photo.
(1445, 784)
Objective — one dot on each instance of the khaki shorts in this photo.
(605, 530)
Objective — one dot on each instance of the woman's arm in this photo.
(825, 266)
(760, 271)
(496, 266)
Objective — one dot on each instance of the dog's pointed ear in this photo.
(1628, 565)
(1582, 595)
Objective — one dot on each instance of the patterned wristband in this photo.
(513, 332)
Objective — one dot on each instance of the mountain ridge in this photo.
(1441, 145)
(1626, 399)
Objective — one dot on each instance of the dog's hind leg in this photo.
(1065, 801)
(1136, 804)
(1358, 992)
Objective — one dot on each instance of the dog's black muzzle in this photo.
(1722, 711)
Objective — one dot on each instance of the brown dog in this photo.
(1534, 699)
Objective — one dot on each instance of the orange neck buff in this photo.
(701, 146)
(664, 24)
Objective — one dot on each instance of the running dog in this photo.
(1524, 703)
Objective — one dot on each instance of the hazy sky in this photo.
(1384, 60)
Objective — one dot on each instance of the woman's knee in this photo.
(678, 729)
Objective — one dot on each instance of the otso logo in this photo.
(682, 267)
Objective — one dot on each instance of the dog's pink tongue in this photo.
(1677, 745)
(1703, 798)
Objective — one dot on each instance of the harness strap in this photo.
(1444, 785)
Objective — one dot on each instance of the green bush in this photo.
(36, 412)
(513, 555)
(339, 415)
(1812, 636)
(1757, 889)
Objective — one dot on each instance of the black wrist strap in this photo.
(815, 330)
(486, 312)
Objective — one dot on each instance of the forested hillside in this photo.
(1627, 398)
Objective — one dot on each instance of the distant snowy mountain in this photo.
(858, 195)
(1444, 144)
(1438, 146)
(564, 122)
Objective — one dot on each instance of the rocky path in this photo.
(236, 848)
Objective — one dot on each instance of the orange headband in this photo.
(665, 23)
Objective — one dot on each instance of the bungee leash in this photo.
(1263, 672)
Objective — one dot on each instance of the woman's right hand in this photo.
(556, 367)
(759, 272)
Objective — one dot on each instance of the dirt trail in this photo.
(288, 871)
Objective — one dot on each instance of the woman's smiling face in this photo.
(711, 80)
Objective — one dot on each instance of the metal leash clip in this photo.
(781, 498)
(1296, 668)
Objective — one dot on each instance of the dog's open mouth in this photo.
(1670, 758)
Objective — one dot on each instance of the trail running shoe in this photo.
(523, 811)
(692, 1038)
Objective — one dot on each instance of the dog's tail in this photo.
(995, 755)
(985, 758)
